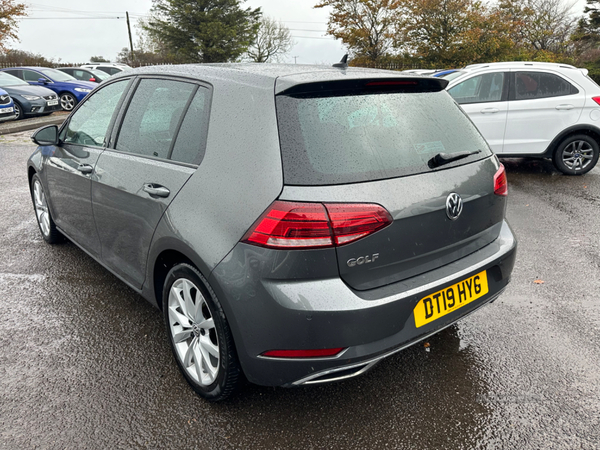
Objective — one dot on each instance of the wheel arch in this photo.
(30, 173)
(66, 92)
(590, 130)
(167, 253)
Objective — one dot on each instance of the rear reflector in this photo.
(303, 353)
(500, 182)
(295, 225)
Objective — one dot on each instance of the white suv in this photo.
(534, 109)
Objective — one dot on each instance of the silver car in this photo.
(295, 224)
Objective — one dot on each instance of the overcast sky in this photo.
(74, 30)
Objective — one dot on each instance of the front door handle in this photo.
(156, 190)
(85, 168)
(490, 111)
(564, 107)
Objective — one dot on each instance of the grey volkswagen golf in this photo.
(295, 224)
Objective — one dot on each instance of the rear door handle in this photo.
(489, 110)
(156, 190)
(564, 107)
(85, 168)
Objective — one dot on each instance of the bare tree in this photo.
(273, 41)
(542, 25)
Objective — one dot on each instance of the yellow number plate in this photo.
(450, 299)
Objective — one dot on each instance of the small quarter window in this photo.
(192, 134)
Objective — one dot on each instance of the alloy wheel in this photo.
(67, 102)
(193, 332)
(578, 155)
(41, 208)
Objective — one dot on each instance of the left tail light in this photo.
(296, 225)
(500, 182)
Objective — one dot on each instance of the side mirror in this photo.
(47, 135)
(93, 79)
(42, 80)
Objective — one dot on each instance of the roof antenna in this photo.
(343, 64)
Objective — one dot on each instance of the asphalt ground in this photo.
(85, 362)
(33, 123)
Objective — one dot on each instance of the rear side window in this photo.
(355, 138)
(533, 85)
(153, 117)
(109, 70)
(15, 73)
(480, 89)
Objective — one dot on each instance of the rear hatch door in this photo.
(378, 143)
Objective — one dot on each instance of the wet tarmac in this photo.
(85, 363)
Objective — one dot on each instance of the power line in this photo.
(71, 18)
(313, 37)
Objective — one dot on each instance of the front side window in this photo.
(534, 85)
(480, 89)
(153, 117)
(30, 75)
(57, 75)
(89, 124)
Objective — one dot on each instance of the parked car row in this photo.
(38, 91)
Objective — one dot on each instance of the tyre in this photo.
(67, 101)
(576, 155)
(19, 111)
(199, 334)
(42, 213)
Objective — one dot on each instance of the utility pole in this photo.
(295, 57)
(130, 40)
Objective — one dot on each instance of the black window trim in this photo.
(124, 107)
(574, 90)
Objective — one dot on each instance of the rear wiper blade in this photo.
(444, 158)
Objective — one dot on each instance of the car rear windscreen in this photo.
(336, 139)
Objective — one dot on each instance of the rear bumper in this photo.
(271, 314)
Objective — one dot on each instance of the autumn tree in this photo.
(9, 12)
(367, 27)
(205, 31)
(452, 33)
(273, 40)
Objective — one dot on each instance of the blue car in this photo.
(7, 107)
(69, 90)
(449, 74)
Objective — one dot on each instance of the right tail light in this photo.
(500, 182)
